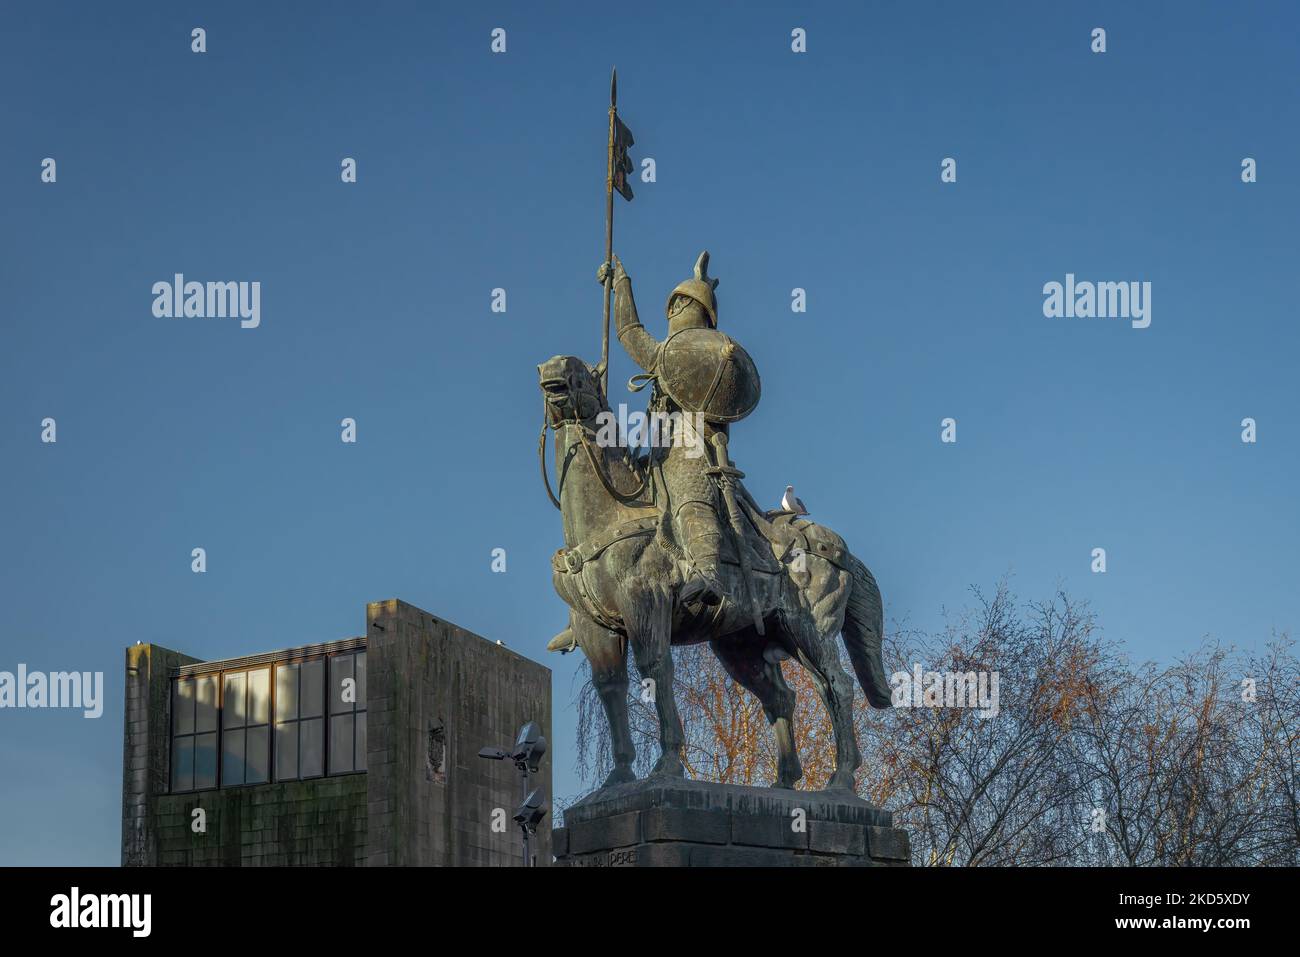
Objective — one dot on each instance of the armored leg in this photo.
(701, 538)
(692, 503)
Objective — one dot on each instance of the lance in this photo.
(609, 230)
(617, 166)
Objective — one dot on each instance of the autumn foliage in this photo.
(1092, 759)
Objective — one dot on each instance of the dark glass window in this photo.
(347, 691)
(194, 740)
(245, 726)
(283, 722)
(300, 720)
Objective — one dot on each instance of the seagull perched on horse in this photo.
(791, 503)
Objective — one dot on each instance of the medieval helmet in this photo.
(700, 288)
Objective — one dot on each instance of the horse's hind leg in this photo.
(650, 632)
(741, 655)
(836, 690)
(606, 655)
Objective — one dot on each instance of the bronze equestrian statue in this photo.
(649, 561)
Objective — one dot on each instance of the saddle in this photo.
(774, 538)
(788, 535)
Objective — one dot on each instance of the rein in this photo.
(625, 498)
(541, 457)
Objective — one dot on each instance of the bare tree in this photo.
(1089, 759)
(982, 788)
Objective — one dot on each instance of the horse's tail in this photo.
(863, 632)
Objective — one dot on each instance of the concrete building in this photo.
(360, 752)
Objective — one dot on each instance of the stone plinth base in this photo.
(674, 823)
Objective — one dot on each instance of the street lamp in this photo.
(529, 747)
(530, 813)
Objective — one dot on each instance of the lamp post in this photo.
(527, 754)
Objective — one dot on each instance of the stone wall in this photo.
(677, 823)
(317, 822)
(146, 748)
(436, 695)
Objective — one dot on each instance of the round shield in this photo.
(706, 371)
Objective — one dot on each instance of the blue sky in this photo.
(477, 171)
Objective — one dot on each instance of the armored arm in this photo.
(640, 345)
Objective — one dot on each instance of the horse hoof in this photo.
(619, 776)
(668, 769)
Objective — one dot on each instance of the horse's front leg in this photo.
(650, 631)
(606, 654)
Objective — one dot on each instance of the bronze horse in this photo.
(621, 573)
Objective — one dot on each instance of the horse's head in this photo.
(571, 389)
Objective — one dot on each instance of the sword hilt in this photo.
(723, 470)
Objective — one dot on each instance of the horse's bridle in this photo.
(586, 442)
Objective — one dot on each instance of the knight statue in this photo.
(667, 548)
(703, 380)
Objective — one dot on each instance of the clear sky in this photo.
(478, 170)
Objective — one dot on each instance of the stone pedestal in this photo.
(657, 823)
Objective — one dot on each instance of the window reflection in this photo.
(244, 710)
(347, 748)
(293, 720)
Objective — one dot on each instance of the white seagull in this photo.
(791, 503)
